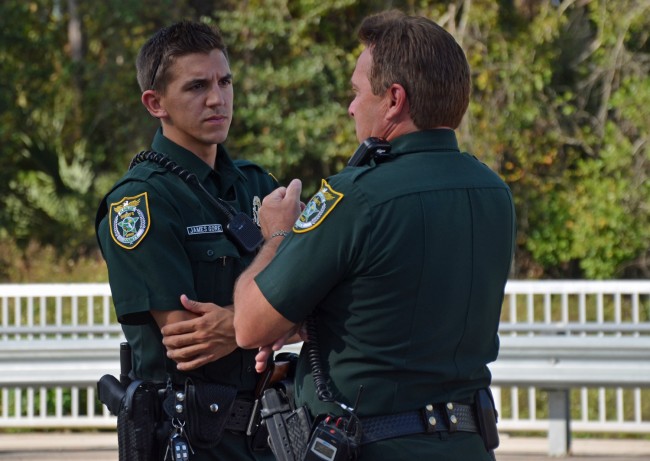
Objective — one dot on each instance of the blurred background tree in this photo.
(560, 109)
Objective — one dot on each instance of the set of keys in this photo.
(178, 448)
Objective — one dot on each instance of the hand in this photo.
(204, 339)
(281, 208)
(265, 352)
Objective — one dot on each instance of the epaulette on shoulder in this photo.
(249, 168)
(143, 170)
(354, 173)
(241, 163)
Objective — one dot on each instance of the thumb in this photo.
(293, 190)
(193, 306)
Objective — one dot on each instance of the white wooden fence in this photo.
(56, 340)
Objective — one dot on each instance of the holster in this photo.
(137, 423)
(289, 429)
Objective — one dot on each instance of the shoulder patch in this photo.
(129, 220)
(318, 207)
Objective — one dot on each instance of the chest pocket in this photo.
(215, 266)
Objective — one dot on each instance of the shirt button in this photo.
(210, 252)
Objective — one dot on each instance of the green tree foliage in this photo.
(560, 109)
(292, 63)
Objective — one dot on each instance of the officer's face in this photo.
(366, 108)
(198, 102)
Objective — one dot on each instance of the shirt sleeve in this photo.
(308, 265)
(154, 273)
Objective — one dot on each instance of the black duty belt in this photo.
(238, 419)
(240, 414)
(447, 417)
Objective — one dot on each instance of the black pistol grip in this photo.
(111, 393)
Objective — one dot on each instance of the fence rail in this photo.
(72, 329)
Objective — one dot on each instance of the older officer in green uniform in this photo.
(402, 262)
(162, 230)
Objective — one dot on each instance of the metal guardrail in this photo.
(568, 362)
(557, 337)
(42, 314)
(56, 362)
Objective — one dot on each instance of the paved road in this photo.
(103, 447)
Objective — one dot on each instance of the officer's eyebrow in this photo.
(194, 81)
(204, 80)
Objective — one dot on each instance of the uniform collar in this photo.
(225, 169)
(440, 139)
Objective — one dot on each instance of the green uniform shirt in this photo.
(181, 248)
(404, 263)
(162, 237)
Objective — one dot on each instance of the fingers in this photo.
(196, 342)
(281, 208)
(178, 328)
(193, 356)
(192, 365)
(262, 358)
(188, 303)
(195, 306)
(260, 367)
(264, 354)
(276, 196)
(177, 340)
(195, 362)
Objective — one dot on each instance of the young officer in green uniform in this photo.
(401, 261)
(162, 230)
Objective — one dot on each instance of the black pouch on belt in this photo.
(486, 417)
(208, 409)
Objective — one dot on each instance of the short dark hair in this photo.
(179, 39)
(425, 59)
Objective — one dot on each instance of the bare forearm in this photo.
(257, 323)
(164, 318)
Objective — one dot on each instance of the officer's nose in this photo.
(215, 96)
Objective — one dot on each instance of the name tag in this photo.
(205, 229)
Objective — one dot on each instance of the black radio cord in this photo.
(190, 178)
(352, 427)
(319, 375)
(313, 357)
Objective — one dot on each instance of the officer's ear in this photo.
(151, 101)
(398, 105)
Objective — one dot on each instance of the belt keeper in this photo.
(430, 418)
(452, 419)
